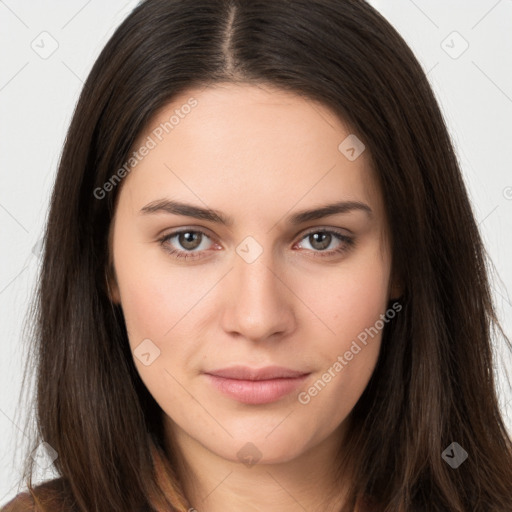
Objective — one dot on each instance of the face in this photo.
(252, 280)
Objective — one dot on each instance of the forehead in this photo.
(252, 144)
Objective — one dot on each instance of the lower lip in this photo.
(256, 391)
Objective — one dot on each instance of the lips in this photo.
(266, 373)
(256, 385)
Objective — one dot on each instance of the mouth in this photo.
(256, 385)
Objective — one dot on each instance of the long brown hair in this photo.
(433, 383)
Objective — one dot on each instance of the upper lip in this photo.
(265, 373)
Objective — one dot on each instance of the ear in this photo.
(112, 286)
(396, 288)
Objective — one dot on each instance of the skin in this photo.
(257, 154)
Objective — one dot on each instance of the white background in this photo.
(37, 98)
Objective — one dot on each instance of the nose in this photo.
(258, 303)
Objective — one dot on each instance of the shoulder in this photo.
(54, 495)
(21, 502)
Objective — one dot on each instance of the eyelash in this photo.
(347, 244)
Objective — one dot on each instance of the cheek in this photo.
(154, 299)
(353, 297)
(155, 312)
(360, 301)
(161, 304)
(352, 310)
(143, 305)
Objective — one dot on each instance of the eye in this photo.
(320, 240)
(191, 240)
(192, 246)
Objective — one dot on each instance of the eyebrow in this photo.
(208, 214)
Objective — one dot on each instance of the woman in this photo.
(263, 285)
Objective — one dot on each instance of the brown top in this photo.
(56, 498)
(55, 494)
(56, 489)
(22, 502)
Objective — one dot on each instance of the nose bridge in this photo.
(257, 280)
(260, 301)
